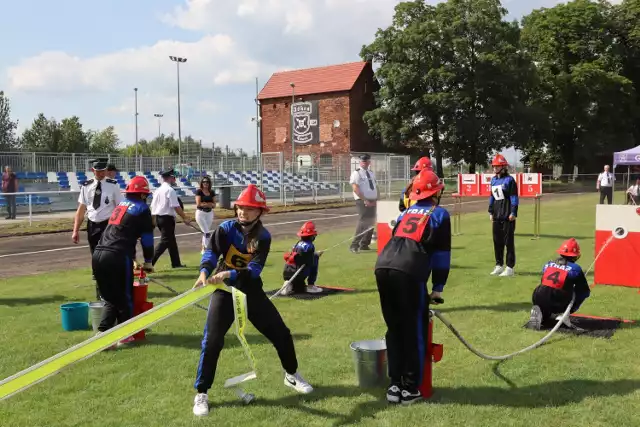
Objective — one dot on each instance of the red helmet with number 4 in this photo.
(499, 160)
(308, 229)
(138, 184)
(570, 248)
(425, 185)
(422, 164)
(252, 197)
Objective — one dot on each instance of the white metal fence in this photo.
(312, 178)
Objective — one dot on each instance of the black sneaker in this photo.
(410, 396)
(365, 248)
(394, 393)
(354, 250)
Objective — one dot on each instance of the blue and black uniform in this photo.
(560, 280)
(420, 247)
(302, 253)
(245, 256)
(503, 203)
(112, 260)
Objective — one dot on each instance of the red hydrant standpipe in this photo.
(140, 303)
(433, 354)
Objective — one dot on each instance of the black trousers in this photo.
(94, 233)
(551, 301)
(167, 226)
(11, 206)
(261, 313)
(366, 219)
(405, 308)
(504, 236)
(114, 275)
(606, 192)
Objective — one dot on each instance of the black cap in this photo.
(111, 167)
(365, 157)
(168, 173)
(99, 164)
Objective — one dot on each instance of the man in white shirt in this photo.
(98, 198)
(605, 185)
(365, 193)
(164, 206)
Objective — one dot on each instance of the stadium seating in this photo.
(271, 181)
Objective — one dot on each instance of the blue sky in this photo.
(84, 58)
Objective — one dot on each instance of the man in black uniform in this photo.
(113, 257)
(420, 247)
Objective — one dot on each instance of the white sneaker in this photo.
(499, 269)
(288, 290)
(201, 405)
(297, 383)
(566, 321)
(313, 289)
(535, 319)
(508, 272)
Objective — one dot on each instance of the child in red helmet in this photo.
(560, 280)
(503, 210)
(303, 253)
(423, 163)
(243, 245)
(420, 247)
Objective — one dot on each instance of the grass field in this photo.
(571, 381)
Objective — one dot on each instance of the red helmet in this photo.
(570, 248)
(422, 164)
(308, 229)
(425, 185)
(499, 160)
(252, 197)
(138, 184)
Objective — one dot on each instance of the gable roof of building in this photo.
(311, 81)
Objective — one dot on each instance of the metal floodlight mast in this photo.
(159, 117)
(179, 60)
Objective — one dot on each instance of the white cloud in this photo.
(210, 60)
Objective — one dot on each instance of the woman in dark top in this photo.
(205, 202)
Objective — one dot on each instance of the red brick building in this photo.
(330, 103)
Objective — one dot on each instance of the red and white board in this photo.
(529, 184)
(386, 212)
(619, 262)
(485, 184)
(468, 184)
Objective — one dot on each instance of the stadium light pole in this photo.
(293, 147)
(159, 117)
(135, 90)
(179, 60)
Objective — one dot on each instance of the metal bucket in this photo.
(95, 312)
(370, 359)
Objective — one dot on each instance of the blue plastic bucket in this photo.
(75, 316)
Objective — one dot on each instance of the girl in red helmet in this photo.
(503, 210)
(420, 247)
(560, 280)
(113, 258)
(303, 253)
(242, 245)
(423, 163)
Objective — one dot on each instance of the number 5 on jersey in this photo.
(412, 226)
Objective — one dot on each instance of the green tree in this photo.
(72, 137)
(453, 80)
(589, 105)
(104, 141)
(7, 126)
(44, 135)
